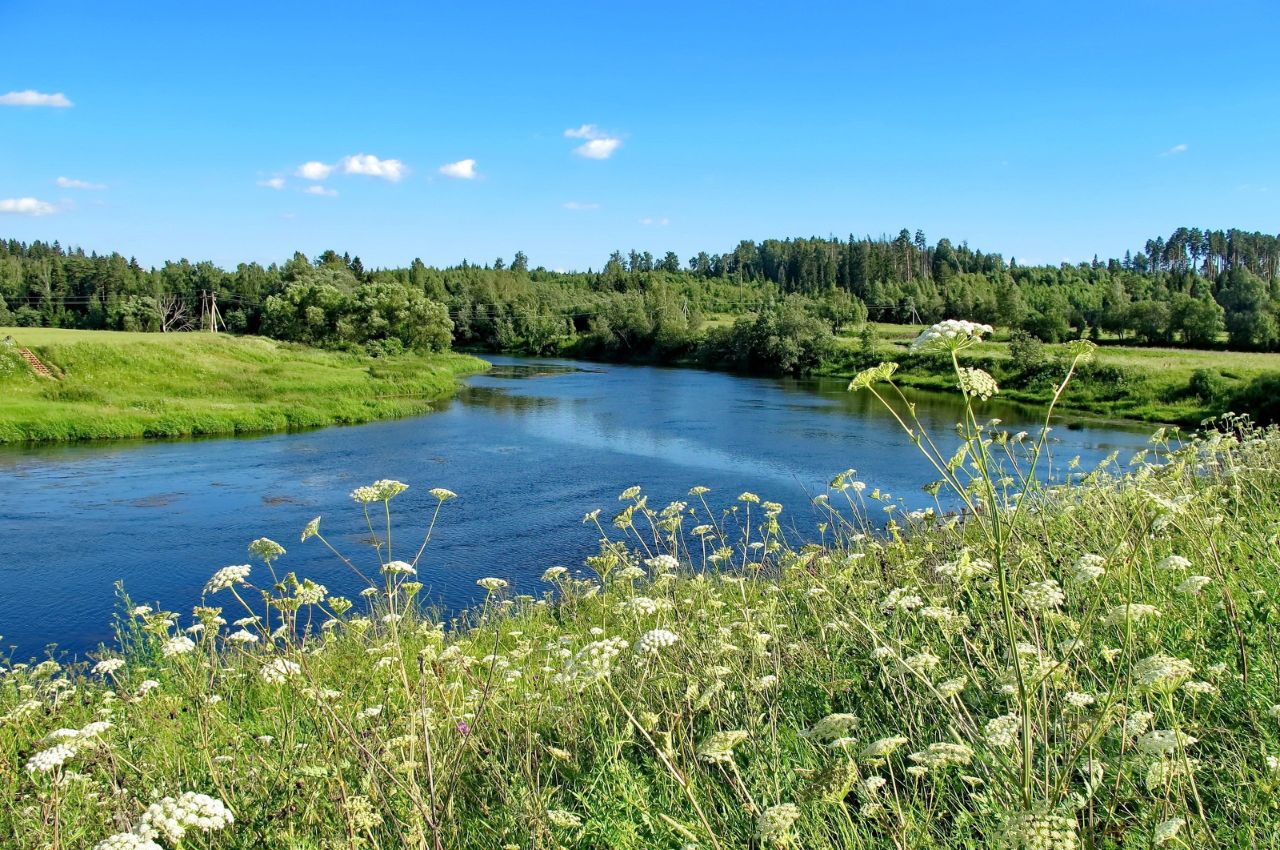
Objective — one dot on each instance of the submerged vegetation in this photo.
(179, 385)
(1082, 658)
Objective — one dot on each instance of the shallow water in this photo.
(529, 447)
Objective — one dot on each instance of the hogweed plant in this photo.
(1039, 659)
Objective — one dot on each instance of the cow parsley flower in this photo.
(171, 817)
(655, 640)
(882, 748)
(1193, 585)
(1163, 742)
(1173, 563)
(1162, 673)
(1165, 831)
(51, 759)
(832, 726)
(951, 335)
(1042, 595)
(126, 841)
(108, 665)
(1040, 831)
(279, 669)
(1088, 569)
(266, 549)
(1003, 731)
(379, 491)
(977, 383)
(718, 747)
(177, 646)
(662, 564)
(243, 636)
(442, 494)
(1134, 612)
(492, 584)
(227, 577)
(776, 822)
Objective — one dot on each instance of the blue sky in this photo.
(1042, 131)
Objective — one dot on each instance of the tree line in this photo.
(746, 308)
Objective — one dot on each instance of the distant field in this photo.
(114, 384)
(1156, 379)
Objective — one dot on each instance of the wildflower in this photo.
(147, 686)
(943, 754)
(631, 573)
(1162, 772)
(126, 841)
(872, 784)
(662, 564)
(310, 593)
(554, 573)
(1078, 699)
(951, 335)
(172, 817)
(492, 584)
(749, 497)
(977, 383)
(1163, 742)
(1040, 831)
(1137, 722)
(1003, 731)
(1134, 612)
(776, 822)
(900, 599)
(1162, 673)
(243, 636)
(965, 568)
(594, 661)
(562, 819)
(108, 665)
(442, 494)
(48, 760)
(1193, 585)
(874, 375)
(718, 747)
(655, 640)
(831, 727)
(1042, 595)
(1088, 569)
(141, 610)
(883, 748)
(379, 491)
(1173, 563)
(177, 646)
(951, 687)
(765, 683)
(266, 548)
(277, 670)
(398, 568)
(227, 577)
(1166, 830)
(921, 663)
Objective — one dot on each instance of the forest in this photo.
(768, 306)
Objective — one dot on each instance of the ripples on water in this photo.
(529, 447)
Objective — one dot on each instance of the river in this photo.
(529, 448)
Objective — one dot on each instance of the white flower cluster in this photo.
(398, 568)
(108, 665)
(950, 335)
(776, 822)
(180, 645)
(593, 662)
(655, 640)
(1088, 569)
(171, 817)
(718, 747)
(228, 577)
(832, 726)
(1003, 731)
(1040, 831)
(1042, 595)
(379, 491)
(1162, 673)
(977, 383)
(51, 759)
(279, 669)
(126, 841)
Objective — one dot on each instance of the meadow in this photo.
(1146, 383)
(1082, 663)
(116, 384)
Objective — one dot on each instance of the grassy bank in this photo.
(1124, 382)
(175, 385)
(1090, 665)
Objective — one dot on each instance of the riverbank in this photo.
(111, 385)
(704, 683)
(1178, 386)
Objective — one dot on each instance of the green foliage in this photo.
(781, 339)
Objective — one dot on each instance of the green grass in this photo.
(175, 385)
(1153, 385)
(1084, 665)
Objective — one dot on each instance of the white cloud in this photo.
(321, 190)
(314, 170)
(598, 148)
(31, 97)
(655, 222)
(69, 183)
(272, 183)
(586, 131)
(580, 206)
(463, 169)
(1176, 149)
(26, 206)
(599, 144)
(368, 164)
